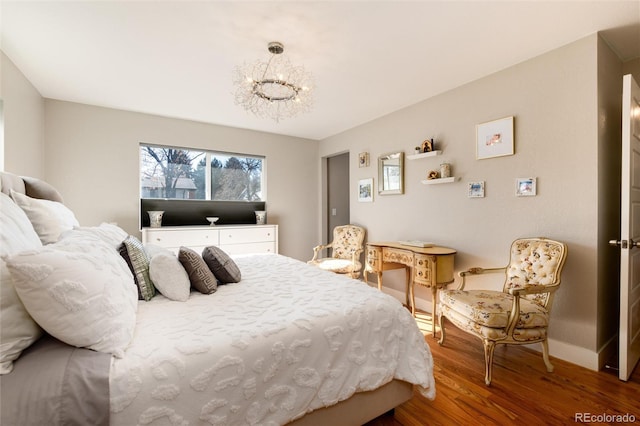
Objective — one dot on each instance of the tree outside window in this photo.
(179, 173)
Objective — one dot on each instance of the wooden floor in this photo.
(521, 391)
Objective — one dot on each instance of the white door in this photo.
(630, 230)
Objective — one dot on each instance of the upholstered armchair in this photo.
(519, 314)
(347, 246)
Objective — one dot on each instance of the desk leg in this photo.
(379, 273)
(410, 293)
(434, 294)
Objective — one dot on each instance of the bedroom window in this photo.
(186, 174)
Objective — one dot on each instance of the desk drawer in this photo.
(390, 254)
(423, 270)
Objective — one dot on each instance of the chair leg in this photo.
(545, 356)
(489, 347)
(441, 324)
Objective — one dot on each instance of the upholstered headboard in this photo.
(34, 188)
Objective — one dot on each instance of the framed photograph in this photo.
(365, 190)
(476, 189)
(494, 138)
(427, 145)
(526, 187)
(363, 159)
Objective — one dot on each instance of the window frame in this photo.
(209, 154)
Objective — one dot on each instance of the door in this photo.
(337, 192)
(630, 230)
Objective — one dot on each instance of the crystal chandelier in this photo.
(274, 89)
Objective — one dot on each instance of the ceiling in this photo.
(176, 58)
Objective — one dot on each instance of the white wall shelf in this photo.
(423, 155)
(436, 181)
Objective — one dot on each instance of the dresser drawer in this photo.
(247, 235)
(188, 238)
(264, 247)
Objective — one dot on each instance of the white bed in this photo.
(288, 343)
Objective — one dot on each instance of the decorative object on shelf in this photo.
(428, 145)
(526, 187)
(363, 159)
(155, 218)
(365, 190)
(261, 217)
(433, 174)
(212, 220)
(273, 89)
(391, 173)
(445, 170)
(494, 138)
(476, 189)
(417, 150)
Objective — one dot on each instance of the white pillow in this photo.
(17, 329)
(81, 293)
(167, 273)
(107, 232)
(49, 218)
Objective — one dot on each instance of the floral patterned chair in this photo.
(519, 314)
(347, 246)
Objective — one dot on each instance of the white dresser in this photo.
(233, 239)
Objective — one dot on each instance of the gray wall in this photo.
(23, 110)
(555, 102)
(92, 158)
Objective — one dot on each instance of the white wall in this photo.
(554, 100)
(23, 112)
(92, 156)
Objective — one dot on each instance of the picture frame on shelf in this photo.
(363, 159)
(365, 190)
(476, 189)
(494, 138)
(526, 187)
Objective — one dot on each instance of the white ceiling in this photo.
(175, 58)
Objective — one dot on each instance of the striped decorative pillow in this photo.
(133, 252)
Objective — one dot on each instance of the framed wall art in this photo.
(476, 189)
(526, 187)
(365, 190)
(494, 138)
(363, 159)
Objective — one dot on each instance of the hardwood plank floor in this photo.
(521, 391)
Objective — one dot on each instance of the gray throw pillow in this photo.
(200, 275)
(222, 266)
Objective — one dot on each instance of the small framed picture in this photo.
(526, 187)
(476, 189)
(494, 138)
(365, 190)
(363, 159)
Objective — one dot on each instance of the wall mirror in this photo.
(390, 173)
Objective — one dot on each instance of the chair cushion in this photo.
(491, 308)
(491, 333)
(339, 266)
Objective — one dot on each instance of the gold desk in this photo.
(426, 266)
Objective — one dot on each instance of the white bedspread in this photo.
(288, 339)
